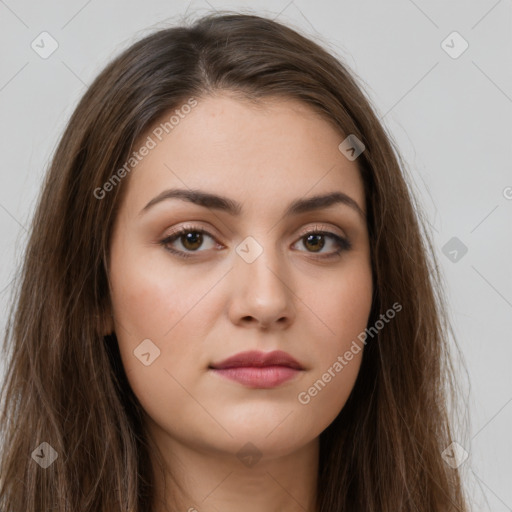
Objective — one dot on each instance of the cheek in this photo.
(149, 300)
(342, 309)
(142, 302)
(343, 304)
(151, 304)
(171, 309)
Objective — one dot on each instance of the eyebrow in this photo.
(234, 208)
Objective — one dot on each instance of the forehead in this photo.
(270, 151)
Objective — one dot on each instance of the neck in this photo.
(195, 478)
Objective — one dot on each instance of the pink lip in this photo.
(259, 369)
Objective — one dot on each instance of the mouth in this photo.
(258, 369)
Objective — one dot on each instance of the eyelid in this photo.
(318, 227)
(190, 227)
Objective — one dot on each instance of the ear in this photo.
(107, 321)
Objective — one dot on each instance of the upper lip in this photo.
(256, 358)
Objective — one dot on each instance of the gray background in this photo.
(451, 118)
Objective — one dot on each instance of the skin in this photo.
(215, 304)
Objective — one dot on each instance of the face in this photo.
(261, 270)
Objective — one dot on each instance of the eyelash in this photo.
(343, 244)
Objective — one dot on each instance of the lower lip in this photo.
(259, 377)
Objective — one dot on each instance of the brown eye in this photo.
(314, 241)
(192, 240)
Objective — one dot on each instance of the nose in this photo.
(261, 295)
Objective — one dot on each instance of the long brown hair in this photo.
(65, 383)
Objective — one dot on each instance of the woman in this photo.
(226, 301)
